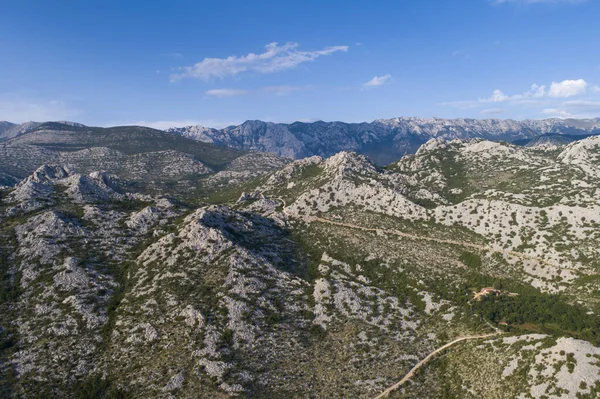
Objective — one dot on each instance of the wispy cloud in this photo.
(492, 111)
(596, 89)
(377, 81)
(272, 90)
(19, 110)
(574, 109)
(275, 58)
(221, 93)
(555, 113)
(581, 106)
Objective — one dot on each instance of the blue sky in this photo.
(174, 63)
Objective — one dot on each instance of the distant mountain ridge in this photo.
(383, 140)
(10, 130)
(551, 141)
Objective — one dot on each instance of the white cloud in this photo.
(378, 81)
(19, 110)
(275, 58)
(222, 93)
(498, 97)
(537, 94)
(556, 113)
(596, 89)
(283, 90)
(492, 111)
(567, 88)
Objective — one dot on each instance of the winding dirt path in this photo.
(417, 366)
(417, 237)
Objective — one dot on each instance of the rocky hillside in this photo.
(129, 140)
(326, 277)
(151, 160)
(384, 140)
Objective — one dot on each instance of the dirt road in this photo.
(421, 238)
(412, 371)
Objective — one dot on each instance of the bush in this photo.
(97, 387)
(549, 312)
(471, 260)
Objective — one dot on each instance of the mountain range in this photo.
(383, 140)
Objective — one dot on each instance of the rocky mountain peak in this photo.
(49, 173)
(346, 163)
(92, 188)
(432, 145)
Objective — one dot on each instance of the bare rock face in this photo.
(38, 190)
(149, 217)
(33, 192)
(252, 135)
(584, 154)
(95, 187)
(385, 140)
(49, 173)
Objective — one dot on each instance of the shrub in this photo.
(471, 260)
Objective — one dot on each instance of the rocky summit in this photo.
(138, 263)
